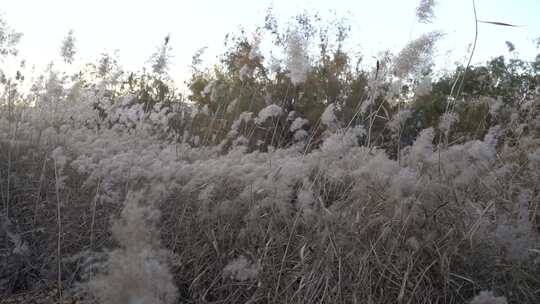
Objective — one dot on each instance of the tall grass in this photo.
(118, 191)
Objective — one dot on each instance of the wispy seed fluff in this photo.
(297, 59)
(425, 12)
(416, 54)
(487, 297)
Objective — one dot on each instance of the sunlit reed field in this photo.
(301, 176)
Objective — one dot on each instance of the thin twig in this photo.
(59, 221)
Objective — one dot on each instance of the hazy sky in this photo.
(136, 27)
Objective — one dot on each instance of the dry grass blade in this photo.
(499, 23)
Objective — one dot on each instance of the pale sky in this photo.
(136, 27)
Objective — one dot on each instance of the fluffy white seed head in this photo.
(297, 59)
(425, 11)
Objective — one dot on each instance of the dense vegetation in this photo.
(301, 177)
